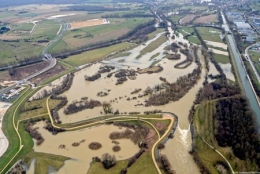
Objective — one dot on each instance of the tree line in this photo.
(92, 8)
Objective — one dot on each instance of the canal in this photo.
(243, 74)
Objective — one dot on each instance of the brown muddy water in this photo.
(177, 149)
(81, 156)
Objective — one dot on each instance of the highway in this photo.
(251, 62)
(52, 60)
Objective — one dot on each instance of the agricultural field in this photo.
(15, 51)
(23, 27)
(47, 29)
(95, 55)
(94, 34)
(207, 19)
(187, 19)
(210, 34)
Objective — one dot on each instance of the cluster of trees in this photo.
(166, 165)
(48, 126)
(59, 89)
(54, 111)
(34, 133)
(187, 61)
(17, 169)
(128, 15)
(236, 128)
(77, 106)
(108, 160)
(4, 30)
(93, 8)
(174, 91)
(93, 77)
(136, 136)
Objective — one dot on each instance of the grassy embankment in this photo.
(255, 58)
(205, 125)
(93, 34)
(9, 131)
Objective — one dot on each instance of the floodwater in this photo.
(81, 156)
(31, 168)
(80, 87)
(227, 69)
(219, 51)
(178, 148)
(216, 44)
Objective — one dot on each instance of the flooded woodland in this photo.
(125, 98)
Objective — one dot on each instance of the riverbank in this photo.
(3, 140)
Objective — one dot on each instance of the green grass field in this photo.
(46, 28)
(185, 31)
(210, 34)
(15, 51)
(24, 27)
(94, 55)
(94, 34)
(221, 58)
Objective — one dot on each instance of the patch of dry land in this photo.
(206, 19)
(88, 23)
(187, 19)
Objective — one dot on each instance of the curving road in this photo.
(64, 27)
(251, 62)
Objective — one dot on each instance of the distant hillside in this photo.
(6, 3)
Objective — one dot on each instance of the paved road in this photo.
(53, 61)
(251, 62)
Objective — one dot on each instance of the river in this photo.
(243, 74)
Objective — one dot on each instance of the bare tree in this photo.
(107, 107)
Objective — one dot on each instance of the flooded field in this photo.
(177, 149)
(81, 156)
(227, 69)
(80, 87)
